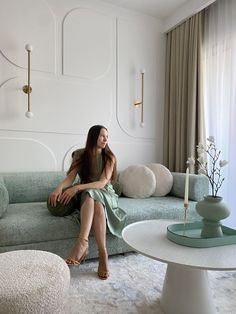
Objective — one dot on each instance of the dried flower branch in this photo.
(212, 169)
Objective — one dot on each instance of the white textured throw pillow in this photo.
(164, 179)
(137, 181)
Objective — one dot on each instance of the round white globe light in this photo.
(29, 114)
(28, 47)
(142, 124)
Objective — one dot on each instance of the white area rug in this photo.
(134, 286)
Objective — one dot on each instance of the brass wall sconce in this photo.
(139, 103)
(27, 88)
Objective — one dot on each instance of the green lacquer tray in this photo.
(189, 234)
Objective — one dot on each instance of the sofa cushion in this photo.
(198, 186)
(31, 223)
(4, 199)
(156, 207)
(164, 179)
(61, 210)
(137, 181)
(26, 187)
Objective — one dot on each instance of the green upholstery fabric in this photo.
(26, 187)
(4, 198)
(156, 207)
(62, 247)
(198, 186)
(27, 223)
(32, 223)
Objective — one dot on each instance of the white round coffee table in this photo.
(186, 289)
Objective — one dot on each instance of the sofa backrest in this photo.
(25, 187)
(198, 186)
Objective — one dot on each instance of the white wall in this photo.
(85, 63)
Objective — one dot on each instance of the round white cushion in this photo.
(137, 181)
(33, 282)
(164, 179)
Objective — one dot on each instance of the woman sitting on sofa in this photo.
(97, 201)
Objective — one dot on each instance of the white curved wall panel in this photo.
(135, 153)
(22, 154)
(135, 53)
(59, 106)
(127, 153)
(24, 22)
(87, 43)
(98, 51)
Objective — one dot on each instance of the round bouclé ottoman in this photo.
(31, 281)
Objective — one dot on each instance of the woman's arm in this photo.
(56, 195)
(100, 184)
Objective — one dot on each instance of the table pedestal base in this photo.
(186, 290)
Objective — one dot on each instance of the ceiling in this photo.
(159, 8)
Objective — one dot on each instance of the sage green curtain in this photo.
(184, 115)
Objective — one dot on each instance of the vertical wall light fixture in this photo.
(27, 88)
(139, 103)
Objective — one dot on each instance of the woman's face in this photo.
(102, 139)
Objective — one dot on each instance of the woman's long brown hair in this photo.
(84, 162)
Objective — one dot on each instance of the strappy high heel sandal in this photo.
(77, 262)
(103, 274)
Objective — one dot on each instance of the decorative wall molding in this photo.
(59, 106)
(143, 153)
(133, 54)
(85, 66)
(24, 154)
(88, 43)
(36, 28)
(124, 152)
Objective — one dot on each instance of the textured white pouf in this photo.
(33, 282)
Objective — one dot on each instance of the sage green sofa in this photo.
(25, 222)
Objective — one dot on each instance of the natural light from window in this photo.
(220, 92)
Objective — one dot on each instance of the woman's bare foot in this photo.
(78, 252)
(103, 272)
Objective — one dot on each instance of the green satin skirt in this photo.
(115, 216)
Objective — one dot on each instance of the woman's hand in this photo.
(55, 196)
(68, 194)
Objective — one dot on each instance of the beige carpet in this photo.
(134, 286)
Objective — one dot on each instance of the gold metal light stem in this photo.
(29, 91)
(140, 103)
(27, 88)
(142, 97)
